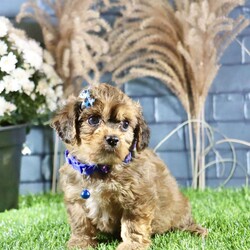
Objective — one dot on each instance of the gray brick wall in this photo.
(36, 168)
(227, 109)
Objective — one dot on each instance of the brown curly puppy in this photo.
(111, 182)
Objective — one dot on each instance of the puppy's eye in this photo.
(125, 125)
(94, 120)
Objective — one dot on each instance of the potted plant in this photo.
(30, 90)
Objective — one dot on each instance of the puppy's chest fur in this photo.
(103, 207)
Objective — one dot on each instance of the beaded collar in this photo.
(88, 169)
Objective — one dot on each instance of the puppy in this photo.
(111, 181)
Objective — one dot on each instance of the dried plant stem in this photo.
(198, 149)
(221, 160)
(234, 141)
(202, 176)
(191, 141)
(243, 47)
(171, 133)
(55, 162)
(235, 163)
(209, 133)
(191, 121)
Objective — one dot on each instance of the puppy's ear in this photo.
(141, 133)
(65, 121)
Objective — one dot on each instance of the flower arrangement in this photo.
(30, 89)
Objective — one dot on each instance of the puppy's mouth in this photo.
(110, 150)
(110, 155)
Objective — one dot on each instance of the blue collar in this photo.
(88, 169)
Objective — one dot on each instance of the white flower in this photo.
(51, 105)
(51, 74)
(42, 87)
(20, 74)
(29, 70)
(6, 107)
(3, 30)
(49, 70)
(33, 58)
(17, 42)
(50, 95)
(11, 84)
(18, 32)
(18, 80)
(34, 46)
(48, 58)
(33, 96)
(8, 63)
(1, 86)
(59, 91)
(3, 48)
(32, 54)
(42, 109)
(28, 87)
(26, 69)
(51, 99)
(6, 21)
(4, 26)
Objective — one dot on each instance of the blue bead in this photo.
(85, 194)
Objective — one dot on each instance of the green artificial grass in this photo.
(41, 223)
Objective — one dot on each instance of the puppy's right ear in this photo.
(65, 121)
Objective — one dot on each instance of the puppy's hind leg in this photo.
(83, 233)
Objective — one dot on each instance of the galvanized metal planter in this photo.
(11, 140)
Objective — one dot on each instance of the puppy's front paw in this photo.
(132, 246)
(77, 243)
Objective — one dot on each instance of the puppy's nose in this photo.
(112, 140)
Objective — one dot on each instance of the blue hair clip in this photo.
(88, 101)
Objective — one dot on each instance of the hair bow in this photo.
(88, 101)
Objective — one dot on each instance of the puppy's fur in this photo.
(136, 200)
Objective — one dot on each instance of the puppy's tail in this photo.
(197, 229)
(194, 228)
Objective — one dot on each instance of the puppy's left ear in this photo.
(141, 133)
(65, 121)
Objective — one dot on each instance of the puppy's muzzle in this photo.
(112, 140)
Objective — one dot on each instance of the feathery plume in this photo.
(72, 35)
(179, 44)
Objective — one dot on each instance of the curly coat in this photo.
(135, 200)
